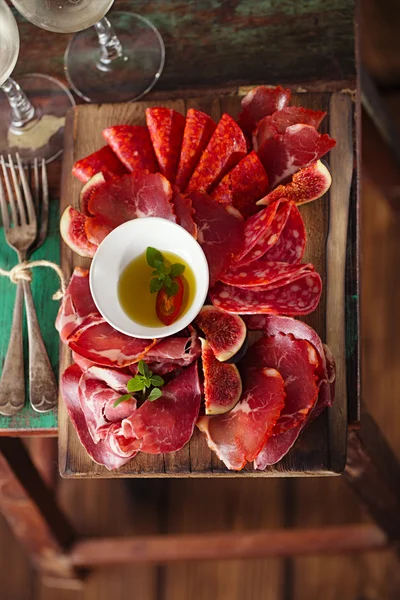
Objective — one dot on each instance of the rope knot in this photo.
(20, 271)
(23, 271)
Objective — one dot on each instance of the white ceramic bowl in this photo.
(125, 243)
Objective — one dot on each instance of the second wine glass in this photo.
(116, 60)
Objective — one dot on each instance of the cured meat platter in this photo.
(321, 448)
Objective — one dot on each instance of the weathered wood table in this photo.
(213, 48)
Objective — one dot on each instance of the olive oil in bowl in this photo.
(134, 293)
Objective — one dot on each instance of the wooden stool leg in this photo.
(373, 472)
(31, 511)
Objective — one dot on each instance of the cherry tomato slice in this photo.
(168, 309)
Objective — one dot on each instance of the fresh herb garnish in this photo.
(143, 381)
(163, 275)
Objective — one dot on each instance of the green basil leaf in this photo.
(147, 382)
(155, 285)
(157, 381)
(154, 394)
(122, 399)
(167, 269)
(177, 269)
(135, 384)
(147, 372)
(173, 289)
(141, 366)
(153, 256)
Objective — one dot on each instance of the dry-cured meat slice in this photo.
(180, 350)
(280, 120)
(219, 232)
(243, 186)
(96, 229)
(310, 183)
(103, 161)
(284, 154)
(276, 447)
(73, 232)
(184, 211)
(263, 273)
(259, 103)
(166, 424)
(199, 128)
(132, 145)
(166, 128)
(225, 149)
(299, 297)
(77, 304)
(238, 436)
(291, 243)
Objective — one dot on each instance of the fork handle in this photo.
(43, 386)
(12, 383)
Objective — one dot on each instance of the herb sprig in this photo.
(143, 381)
(163, 275)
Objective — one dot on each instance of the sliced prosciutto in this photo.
(132, 145)
(280, 120)
(199, 128)
(243, 186)
(77, 304)
(284, 154)
(219, 232)
(238, 436)
(166, 424)
(259, 103)
(225, 149)
(103, 161)
(181, 350)
(184, 212)
(166, 128)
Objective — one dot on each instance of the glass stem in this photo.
(22, 111)
(110, 46)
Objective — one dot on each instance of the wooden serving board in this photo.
(321, 449)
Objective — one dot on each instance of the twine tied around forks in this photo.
(22, 271)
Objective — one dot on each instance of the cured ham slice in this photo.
(180, 350)
(103, 161)
(184, 212)
(219, 232)
(262, 273)
(225, 149)
(102, 453)
(284, 154)
(104, 345)
(73, 232)
(77, 304)
(199, 128)
(280, 120)
(132, 145)
(237, 437)
(166, 128)
(166, 424)
(259, 103)
(300, 296)
(243, 186)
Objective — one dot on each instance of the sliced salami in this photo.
(243, 186)
(132, 145)
(225, 149)
(262, 273)
(103, 161)
(166, 128)
(280, 120)
(291, 243)
(184, 212)
(199, 128)
(259, 103)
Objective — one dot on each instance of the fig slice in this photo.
(225, 332)
(222, 382)
(308, 184)
(72, 229)
(88, 190)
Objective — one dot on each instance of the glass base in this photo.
(126, 78)
(43, 137)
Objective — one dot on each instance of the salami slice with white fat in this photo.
(263, 273)
(291, 244)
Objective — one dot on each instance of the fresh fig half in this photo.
(225, 333)
(222, 382)
(310, 183)
(88, 190)
(72, 229)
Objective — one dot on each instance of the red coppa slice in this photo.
(237, 436)
(225, 149)
(166, 424)
(280, 120)
(199, 128)
(73, 232)
(263, 273)
(243, 186)
(219, 232)
(166, 128)
(259, 103)
(97, 229)
(284, 154)
(132, 145)
(291, 243)
(103, 161)
(222, 383)
(184, 212)
(299, 297)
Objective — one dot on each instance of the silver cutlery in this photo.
(23, 235)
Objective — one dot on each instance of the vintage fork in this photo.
(21, 234)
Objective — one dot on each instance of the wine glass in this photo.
(111, 62)
(32, 111)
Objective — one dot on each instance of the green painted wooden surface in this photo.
(45, 283)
